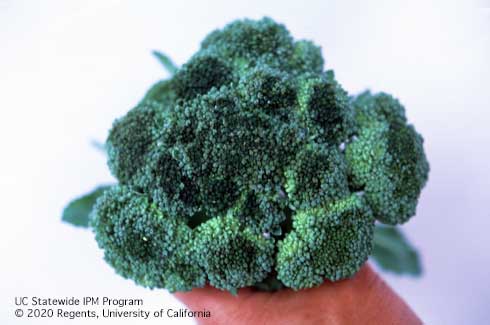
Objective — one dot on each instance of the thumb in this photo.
(222, 305)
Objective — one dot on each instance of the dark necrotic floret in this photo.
(201, 74)
(325, 110)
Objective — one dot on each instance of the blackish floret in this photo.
(202, 73)
(325, 110)
(266, 88)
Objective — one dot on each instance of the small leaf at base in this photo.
(98, 145)
(392, 252)
(77, 212)
(167, 63)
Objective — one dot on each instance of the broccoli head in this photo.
(252, 163)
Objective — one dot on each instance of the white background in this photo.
(68, 68)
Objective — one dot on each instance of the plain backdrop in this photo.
(68, 68)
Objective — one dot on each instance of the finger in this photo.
(221, 304)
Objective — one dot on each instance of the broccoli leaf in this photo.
(78, 210)
(167, 63)
(392, 252)
(99, 146)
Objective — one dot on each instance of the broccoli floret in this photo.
(144, 244)
(324, 108)
(330, 242)
(247, 43)
(267, 88)
(232, 257)
(387, 158)
(379, 107)
(163, 92)
(248, 165)
(132, 137)
(166, 182)
(307, 57)
(261, 213)
(199, 75)
(318, 175)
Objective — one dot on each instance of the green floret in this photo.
(247, 42)
(232, 257)
(387, 160)
(326, 242)
(268, 89)
(317, 176)
(162, 92)
(132, 137)
(307, 57)
(143, 244)
(380, 107)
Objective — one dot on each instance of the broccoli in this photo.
(252, 166)
(331, 241)
(387, 159)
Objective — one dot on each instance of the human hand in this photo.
(363, 299)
